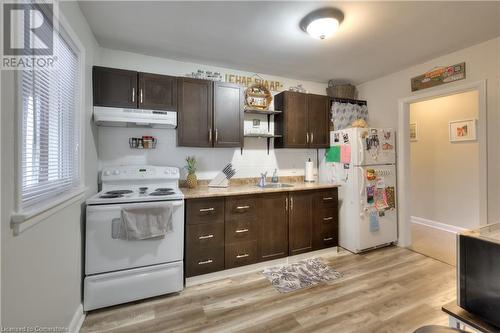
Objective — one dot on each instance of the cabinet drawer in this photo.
(204, 210)
(241, 230)
(327, 216)
(206, 235)
(203, 261)
(241, 208)
(240, 254)
(327, 198)
(328, 235)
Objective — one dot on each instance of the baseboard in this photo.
(196, 280)
(77, 320)
(437, 225)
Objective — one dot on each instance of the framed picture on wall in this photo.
(463, 130)
(413, 132)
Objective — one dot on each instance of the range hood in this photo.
(121, 117)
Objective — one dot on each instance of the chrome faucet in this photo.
(262, 181)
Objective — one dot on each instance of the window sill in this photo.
(23, 220)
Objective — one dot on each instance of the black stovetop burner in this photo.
(118, 192)
(160, 193)
(108, 195)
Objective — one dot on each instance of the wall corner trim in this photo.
(77, 320)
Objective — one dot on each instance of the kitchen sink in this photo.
(276, 185)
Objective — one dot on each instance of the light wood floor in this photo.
(388, 290)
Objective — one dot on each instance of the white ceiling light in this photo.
(322, 23)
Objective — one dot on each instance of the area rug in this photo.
(300, 275)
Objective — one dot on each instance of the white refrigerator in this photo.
(364, 165)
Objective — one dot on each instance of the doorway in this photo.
(444, 173)
(405, 192)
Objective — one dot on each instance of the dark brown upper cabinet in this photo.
(318, 115)
(304, 122)
(228, 115)
(195, 112)
(114, 87)
(157, 92)
(210, 114)
(130, 89)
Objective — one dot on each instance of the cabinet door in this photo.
(318, 119)
(273, 235)
(157, 92)
(194, 109)
(295, 117)
(114, 87)
(300, 222)
(228, 115)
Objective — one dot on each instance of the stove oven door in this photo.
(105, 251)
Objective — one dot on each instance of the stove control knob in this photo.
(167, 171)
(116, 172)
(106, 173)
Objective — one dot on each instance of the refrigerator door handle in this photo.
(361, 158)
(362, 183)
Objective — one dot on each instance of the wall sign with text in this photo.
(248, 81)
(438, 77)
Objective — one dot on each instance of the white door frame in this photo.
(403, 162)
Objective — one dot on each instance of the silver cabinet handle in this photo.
(327, 239)
(291, 203)
(286, 203)
(243, 207)
(210, 135)
(209, 261)
(239, 256)
(140, 96)
(328, 198)
(312, 137)
(206, 236)
(133, 94)
(211, 209)
(307, 137)
(216, 136)
(328, 218)
(239, 231)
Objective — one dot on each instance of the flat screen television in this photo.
(478, 267)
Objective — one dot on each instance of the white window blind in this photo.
(50, 158)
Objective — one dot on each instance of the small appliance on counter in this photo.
(222, 178)
(478, 266)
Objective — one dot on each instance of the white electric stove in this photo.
(119, 270)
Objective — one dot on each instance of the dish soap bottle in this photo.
(274, 179)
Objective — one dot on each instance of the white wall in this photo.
(42, 267)
(444, 174)
(113, 142)
(483, 63)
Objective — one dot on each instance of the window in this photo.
(50, 127)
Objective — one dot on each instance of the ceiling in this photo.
(375, 39)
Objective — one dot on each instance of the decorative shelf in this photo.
(260, 111)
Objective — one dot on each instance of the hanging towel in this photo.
(333, 154)
(374, 225)
(140, 222)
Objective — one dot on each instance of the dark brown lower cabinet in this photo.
(223, 233)
(300, 222)
(273, 220)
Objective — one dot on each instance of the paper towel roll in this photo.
(309, 172)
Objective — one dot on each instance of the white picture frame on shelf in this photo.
(463, 130)
(413, 132)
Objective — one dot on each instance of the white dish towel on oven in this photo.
(141, 222)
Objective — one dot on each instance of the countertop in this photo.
(203, 191)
